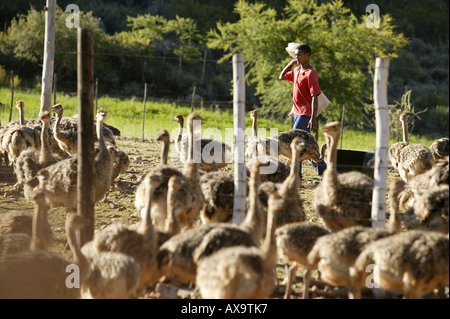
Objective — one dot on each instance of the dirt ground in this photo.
(119, 207)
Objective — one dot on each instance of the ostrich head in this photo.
(45, 117)
(101, 114)
(403, 117)
(19, 105)
(179, 119)
(253, 114)
(163, 136)
(57, 108)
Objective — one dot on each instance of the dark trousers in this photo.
(301, 122)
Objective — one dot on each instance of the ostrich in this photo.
(242, 272)
(137, 241)
(282, 170)
(342, 200)
(37, 273)
(65, 131)
(16, 228)
(178, 257)
(164, 171)
(61, 184)
(293, 211)
(439, 148)
(414, 262)
(31, 161)
(294, 242)
(335, 253)
(17, 136)
(418, 185)
(218, 191)
(410, 159)
(429, 211)
(207, 147)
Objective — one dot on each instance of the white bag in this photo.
(291, 49)
(323, 103)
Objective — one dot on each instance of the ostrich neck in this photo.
(21, 116)
(405, 131)
(292, 182)
(164, 152)
(191, 168)
(45, 155)
(395, 222)
(255, 127)
(330, 174)
(78, 257)
(101, 142)
(56, 130)
(36, 234)
(252, 223)
(180, 131)
(172, 225)
(146, 225)
(269, 247)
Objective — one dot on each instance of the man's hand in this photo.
(312, 124)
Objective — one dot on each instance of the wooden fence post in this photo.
(193, 99)
(49, 55)
(382, 142)
(12, 95)
(143, 111)
(240, 180)
(342, 124)
(86, 152)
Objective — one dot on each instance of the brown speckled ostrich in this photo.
(242, 272)
(414, 262)
(342, 200)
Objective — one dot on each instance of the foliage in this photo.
(404, 106)
(5, 79)
(343, 50)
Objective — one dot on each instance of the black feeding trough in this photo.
(348, 160)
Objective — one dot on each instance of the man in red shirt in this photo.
(306, 91)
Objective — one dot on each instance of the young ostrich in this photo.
(178, 257)
(293, 210)
(414, 262)
(164, 172)
(190, 197)
(335, 253)
(342, 200)
(137, 241)
(439, 148)
(19, 136)
(252, 151)
(31, 160)
(206, 146)
(36, 273)
(417, 186)
(61, 186)
(65, 131)
(294, 242)
(242, 272)
(410, 159)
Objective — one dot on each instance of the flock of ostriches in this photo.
(186, 232)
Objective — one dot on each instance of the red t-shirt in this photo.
(306, 84)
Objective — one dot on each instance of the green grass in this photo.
(126, 115)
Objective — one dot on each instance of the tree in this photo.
(343, 51)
